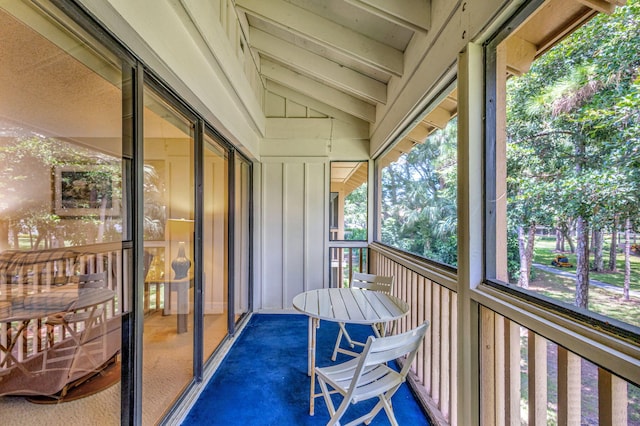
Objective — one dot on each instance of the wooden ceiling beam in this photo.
(318, 67)
(412, 14)
(327, 33)
(328, 95)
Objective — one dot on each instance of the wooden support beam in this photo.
(520, 55)
(438, 117)
(602, 6)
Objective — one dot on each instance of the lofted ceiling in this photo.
(341, 53)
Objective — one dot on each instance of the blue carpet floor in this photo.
(263, 379)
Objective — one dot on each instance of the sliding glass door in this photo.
(215, 245)
(168, 337)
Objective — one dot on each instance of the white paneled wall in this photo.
(293, 223)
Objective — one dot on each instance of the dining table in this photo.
(344, 305)
(25, 308)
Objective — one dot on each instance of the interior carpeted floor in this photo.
(263, 379)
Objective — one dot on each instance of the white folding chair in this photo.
(79, 325)
(368, 375)
(371, 282)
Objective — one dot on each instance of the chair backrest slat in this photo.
(385, 349)
(372, 282)
(97, 280)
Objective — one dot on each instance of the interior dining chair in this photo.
(371, 282)
(369, 376)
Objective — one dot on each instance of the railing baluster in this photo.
(428, 338)
(488, 365)
(512, 374)
(445, 354)
(420, 308)
(569, 383)
(436, 342)
(537, 361)
(500, 373)
(453, 405)
(435, 366)
(612, 399)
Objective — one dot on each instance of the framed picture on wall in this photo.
(85, 190)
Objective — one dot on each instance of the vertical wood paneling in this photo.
(315, 212)
(569, 388)
(272, 228)
(293, 227)
(294, 254)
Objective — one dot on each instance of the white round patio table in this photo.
(346, 305)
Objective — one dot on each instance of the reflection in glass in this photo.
(60, 213)
(168, 230)
(214, 247)
(241, 238)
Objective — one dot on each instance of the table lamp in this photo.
(180, 230)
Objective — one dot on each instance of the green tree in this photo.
(572, 124)
(419, 198)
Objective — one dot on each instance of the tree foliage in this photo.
(572, 128)
(419, 212)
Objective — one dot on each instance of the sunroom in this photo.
(172, 168)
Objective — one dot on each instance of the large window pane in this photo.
(169, 237)
(568, 201)
(215, 290)
(242, 266)
(418, 185)
(60, 212)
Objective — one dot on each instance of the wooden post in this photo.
(537, 380)
(612, 399)
(569, 387)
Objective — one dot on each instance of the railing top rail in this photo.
(440, 274)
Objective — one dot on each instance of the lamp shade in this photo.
(179, 229)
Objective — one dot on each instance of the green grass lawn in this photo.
(601, 301)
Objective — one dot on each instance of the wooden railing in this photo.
(528, 379)
(30, 272)
(345, 260)
(525, 378)
(431, 293)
